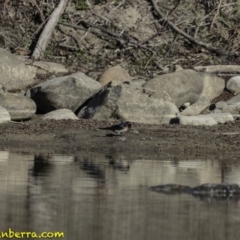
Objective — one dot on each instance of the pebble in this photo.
(122, 138)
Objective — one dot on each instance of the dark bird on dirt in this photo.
(119, 128)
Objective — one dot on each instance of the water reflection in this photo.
(90, 196)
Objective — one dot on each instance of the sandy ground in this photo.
(83, 135)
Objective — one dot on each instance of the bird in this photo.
(119, 128)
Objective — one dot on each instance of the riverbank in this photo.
(84, 135)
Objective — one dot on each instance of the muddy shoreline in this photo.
(84, 136)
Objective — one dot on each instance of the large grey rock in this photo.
(123, 101)
(4, 115)
(188, 86)
(68, 92)
(15, 74)
(233, 85)
(18, 106)
(204, 120)
(60, 114)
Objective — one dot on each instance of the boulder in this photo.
(188, 86)
(68, 92)
(123, 101)
(15, 74)
(4, 115)
(60, 114)
(18, 106)
(204, 120)
(117, 74)
(233, 85)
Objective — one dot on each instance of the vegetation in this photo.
(94, 34)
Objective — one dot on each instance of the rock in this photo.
(117, 74)
(236, 116)
(212, 88)
(178, 68)
(43, 68)
(178, 86)
(233, 100)
(4, 115)
(222, 190)
(60, 114)
(220, 105)
(233, 85)
(216, 110)
(232, 108)
(197, 107)
(197, 120)
(68, 92)
(128, 103)
(222, 117)
(13, 71)
(138, 83)
(187, 86)
(18, 106)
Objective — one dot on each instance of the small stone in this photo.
(122, 138)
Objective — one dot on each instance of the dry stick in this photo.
(48, 30)
(111, 34)
(102, 17)
(218, 10)
(190, 38)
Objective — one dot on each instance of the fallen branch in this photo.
(190, 38)
(233, 69)
(48, 30)
(118, 37)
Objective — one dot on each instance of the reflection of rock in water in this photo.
(216, 191)
(41, 165)
(119, 162)
(91, 168)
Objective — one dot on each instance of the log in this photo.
(46, 34)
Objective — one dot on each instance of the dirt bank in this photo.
(84, 135)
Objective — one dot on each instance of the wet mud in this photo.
(85, 135)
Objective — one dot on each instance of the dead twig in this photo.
(217, 13)
(102, 17)
(190, 38)
(119, 37)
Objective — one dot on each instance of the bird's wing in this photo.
(119, 126)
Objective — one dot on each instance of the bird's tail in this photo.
(106, 128)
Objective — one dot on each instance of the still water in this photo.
(88, 197)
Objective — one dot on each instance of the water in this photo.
(87, 198)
